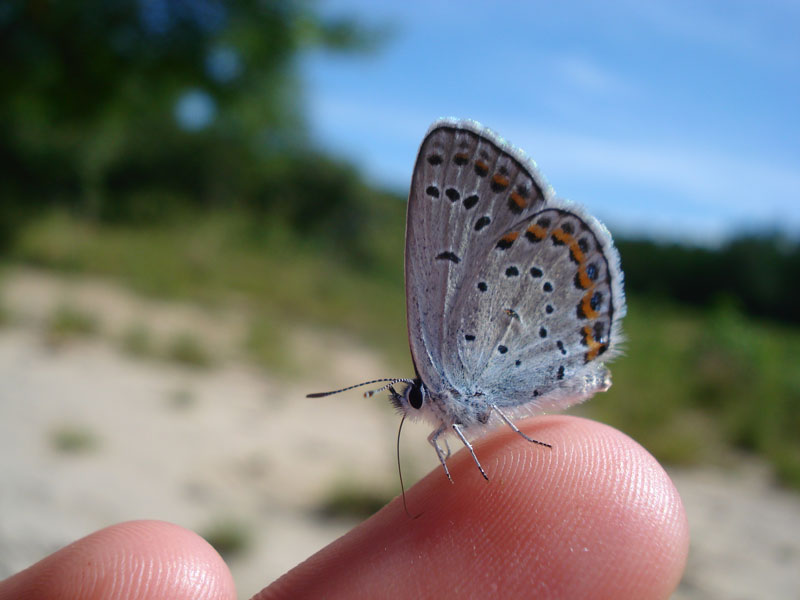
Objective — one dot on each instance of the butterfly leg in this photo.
(447, 448)
(433, 440)
(510, 423)
(457, 429)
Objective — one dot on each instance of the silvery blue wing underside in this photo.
(514, 297)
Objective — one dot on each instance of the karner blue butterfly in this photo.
(513, 296)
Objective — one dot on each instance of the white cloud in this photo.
(584, 75)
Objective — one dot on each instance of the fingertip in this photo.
(594, 517)
(607, 512)
(137, 559)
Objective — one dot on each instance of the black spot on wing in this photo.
(482, 222)
(595, 301)
(600, 332)
(504, 243)
(451, 256)
(592, 271)
(470, 201)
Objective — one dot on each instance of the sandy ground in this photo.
(232, 445)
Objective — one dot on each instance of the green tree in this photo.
(116, 108)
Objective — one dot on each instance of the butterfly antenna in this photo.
(371, 393)
(367, 394)
(400, 471)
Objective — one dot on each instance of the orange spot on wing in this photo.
(537, 231)
(510, 237)
(577, 253)
(500, 180)
(586, 306)
(583, 278)
(562, 236)
(518, 199)
(595, 347)
(578, 256)
(568, 239)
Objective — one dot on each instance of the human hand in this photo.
(595, 517)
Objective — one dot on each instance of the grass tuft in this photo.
(228, 537)
(186, 349)
(69, 322)
(181, 398)
(73, 439)
(352, 501)
(137, 341)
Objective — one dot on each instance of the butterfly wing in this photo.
(484, 240)
(554, 315)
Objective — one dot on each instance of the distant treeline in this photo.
(758, 274)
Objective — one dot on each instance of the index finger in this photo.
(594, 517)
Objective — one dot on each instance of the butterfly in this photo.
(514, 297)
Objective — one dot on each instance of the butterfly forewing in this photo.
(468, 189)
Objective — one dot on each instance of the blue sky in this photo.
(673, 119)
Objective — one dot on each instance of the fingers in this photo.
(138, 559)
(593, 517)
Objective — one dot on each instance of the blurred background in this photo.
(202, 208)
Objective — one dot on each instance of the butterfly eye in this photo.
(415, 396)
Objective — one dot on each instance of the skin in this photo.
(595, 517)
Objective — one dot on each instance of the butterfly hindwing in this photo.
(552, 313)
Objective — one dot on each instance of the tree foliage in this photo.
(756, 273)
(127, 108)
